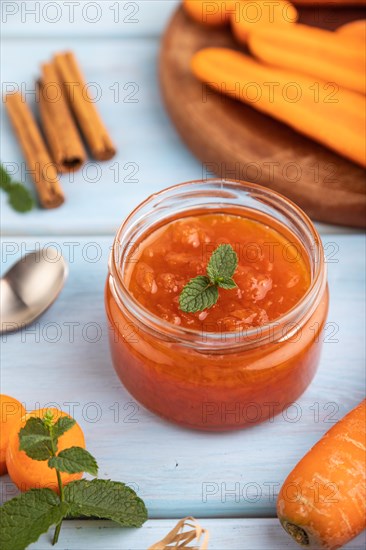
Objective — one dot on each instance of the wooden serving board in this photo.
(235, 141)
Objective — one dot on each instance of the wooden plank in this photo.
(120, 18)
(233, 534)
(64, 358)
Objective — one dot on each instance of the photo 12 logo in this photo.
(91, 92)
(91, 172)
(233, 413)
(272, 171)
(267, 491)
(70, 12)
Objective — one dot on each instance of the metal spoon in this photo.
(30, 287)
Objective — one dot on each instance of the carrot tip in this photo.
(296, 532)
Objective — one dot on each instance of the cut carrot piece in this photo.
(250, 15)
(331, 116)
(213, 13)
(322, 503)
(315, 52)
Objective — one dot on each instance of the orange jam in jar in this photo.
(257, 348)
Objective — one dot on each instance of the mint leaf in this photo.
(226, 282)
(35, 440)
(5, 179)
(73, 461)
(24, 518)
(198, 294)
(48, 419)
(20, 198)
(202, 291)
(222, 264)
(63, 424)
(105, 499)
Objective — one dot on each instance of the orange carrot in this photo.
(354, 31)
(250, 15)
(315, 52)
(335, 118)
(213, 13)
(322, 503)
(331, 3)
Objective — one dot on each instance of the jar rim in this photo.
(220, 340)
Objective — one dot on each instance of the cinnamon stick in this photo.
(86, 114)
(59, 127)
(39, 163)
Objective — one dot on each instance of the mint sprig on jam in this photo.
(26, 517)
(202, 292)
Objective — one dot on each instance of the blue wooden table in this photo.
(229, 481)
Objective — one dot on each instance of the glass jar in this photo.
(209, 380)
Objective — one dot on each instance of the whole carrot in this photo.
(331, 116)
(331, 3)
(212, 13)
(322, 503)
(249, 15)
(315, 52)
(354, 32)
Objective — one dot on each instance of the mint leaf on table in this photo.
(35, 440)
(198, 294)
(5, 179)
(222, 264)
(63, 425)
(24, 518)
(202, 292)
(105, 499)
(20, 198)
(73, 461)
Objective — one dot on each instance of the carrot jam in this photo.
(217, 375)
(271, 277)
